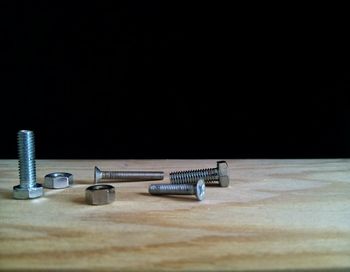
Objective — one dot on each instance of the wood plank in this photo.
(276, 214)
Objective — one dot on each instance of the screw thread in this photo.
(132, 175)
(210, 175)
(26, 162)
(176, 189)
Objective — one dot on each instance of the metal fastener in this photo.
(58, 180)
(126, 175)
(100, 194)
(217, 175)
(28, 188)
(197, 189)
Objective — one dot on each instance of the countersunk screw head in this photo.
(28, 193)
(224, 179)
(200, 190)
(97, 174)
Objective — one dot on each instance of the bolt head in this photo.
(58, 180)
(200, 189)
(224, 179)
(28, 193)
(97, 174)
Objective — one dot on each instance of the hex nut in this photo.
(58, 180)
(100, 194)
(224, 179)
(28, 193)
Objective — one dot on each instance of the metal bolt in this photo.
(211, 175)
(28, 188)
(197, 189)
(127, 175)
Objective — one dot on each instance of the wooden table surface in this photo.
(276, 214)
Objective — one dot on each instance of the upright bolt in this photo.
(127, 175)
(28, 188)
(211, 175)
(197, 189)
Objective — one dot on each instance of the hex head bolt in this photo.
(28, 188)
(217, 175)
(197, 189)
(126, 175)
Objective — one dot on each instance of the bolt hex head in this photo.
(224, 179)
(28, 193)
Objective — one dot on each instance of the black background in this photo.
(145, 80)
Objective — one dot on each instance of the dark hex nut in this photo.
(100, 194)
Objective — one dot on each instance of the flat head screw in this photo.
(127, 175)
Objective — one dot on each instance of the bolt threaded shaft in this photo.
(210, 175)
(175, 189)
(26, 162)
(132, 175)
(197, 189)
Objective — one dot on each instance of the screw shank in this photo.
(132, 175)
(171, 189)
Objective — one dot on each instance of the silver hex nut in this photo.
(58, 180)
(224, 179)
(100, 194)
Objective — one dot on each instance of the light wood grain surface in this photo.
(276, 214)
